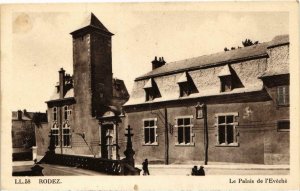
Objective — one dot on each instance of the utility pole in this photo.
(166, 138)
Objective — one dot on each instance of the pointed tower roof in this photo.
(92, 23)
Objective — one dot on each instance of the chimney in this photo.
(19, 115)
(61, 83)
(158, 63)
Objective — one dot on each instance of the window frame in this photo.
(226, 80)
(191, 125)
(283, 130)
(54, 113)
(56, 135)
(155, 143)
(150, 95)
(285, 95)
(234, 123)
(184, 89)
(67, 112)
(66, 126)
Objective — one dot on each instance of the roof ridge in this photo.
(221, 57)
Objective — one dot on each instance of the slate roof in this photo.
(231, 56)
(55, 94)
(247, 64)
(93, 22)
(28, 116)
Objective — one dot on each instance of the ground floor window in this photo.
(226, 129)
(150, 136)
(66, 135)
(184, 130)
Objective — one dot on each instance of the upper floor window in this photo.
(186, 85)
(150, 134)
(184, 130)
(226, 83)
(67, 112)
(283, 95)
(151, 90)
(149, 94)
(226, 129)
(229, 79)
(283, 125)
(54, 110)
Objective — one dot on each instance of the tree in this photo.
(249, 42)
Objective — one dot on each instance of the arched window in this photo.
(55, 134)
(66, 135)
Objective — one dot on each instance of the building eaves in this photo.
(60, 100)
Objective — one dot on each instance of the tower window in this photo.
(283, 95)
(283, 125)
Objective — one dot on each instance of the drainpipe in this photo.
(205, 134)
(60, 109)
(166, 138)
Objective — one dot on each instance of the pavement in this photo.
(219, 169)
(160, 169)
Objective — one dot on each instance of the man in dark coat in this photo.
(145, 168)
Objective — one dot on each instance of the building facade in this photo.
(25, 133)
(231, 106)
(84, 109)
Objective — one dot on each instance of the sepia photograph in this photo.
(147, 90)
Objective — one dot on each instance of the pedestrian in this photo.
(145, 168)
(201, 171)
(194, 171)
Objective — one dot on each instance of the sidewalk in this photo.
(219, 169)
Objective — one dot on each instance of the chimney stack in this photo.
(61, 83)
(19, 115)
(158, 63)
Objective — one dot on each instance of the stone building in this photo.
(25, 134)
(84, 109)
(231, 106)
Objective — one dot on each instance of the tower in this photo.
(92, 64)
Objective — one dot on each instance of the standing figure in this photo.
(145, 168)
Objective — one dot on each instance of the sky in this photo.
(41, 43)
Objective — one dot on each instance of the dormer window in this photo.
(229, 79)
(226, 83)
(151, 90)
(186, 85)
